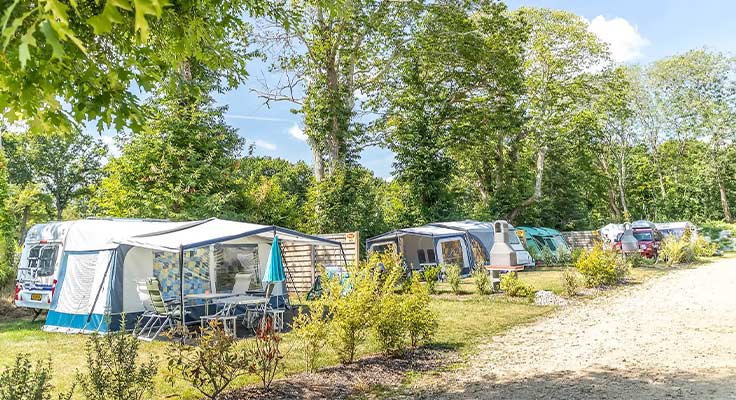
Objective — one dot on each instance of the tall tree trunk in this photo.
(724, 197)
(24, 224)
(622, 186)
(541, 154)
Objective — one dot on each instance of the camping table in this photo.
(208, 297)
(242, 300)
(495, 271)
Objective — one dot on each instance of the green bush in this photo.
(636, 260)
(482, 280)
(421, 322)
(676, 251)
(351, 305)
(431, 274)
(113, 369)
(704, 248)
(389, 325)
(548, 256)
(570, 282)
(602, 267)
(311, 329)
(513, 287)
(575, 255)
(209, 362)
(453, 272)
(563, 256)
(24, 381)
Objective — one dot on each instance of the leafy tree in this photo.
(180, 166)
(560, 55)
(62, 165)
(94, 55)
(329, 55)
(698, 87)
(7, 241)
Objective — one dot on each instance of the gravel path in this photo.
(671, 337)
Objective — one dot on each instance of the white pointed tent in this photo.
(190, 258)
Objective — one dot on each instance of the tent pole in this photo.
(344, 257)
(99, 290)
(181, 286)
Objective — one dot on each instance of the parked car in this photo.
(647, 236)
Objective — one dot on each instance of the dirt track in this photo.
(671, 337)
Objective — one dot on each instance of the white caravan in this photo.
(38, 271)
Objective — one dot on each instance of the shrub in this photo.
(563, 255)
(676, 251)
(704, 248)
(453, 272)
(24, 381)
(431, 275)
(265, 353)
(389, 324)
(601, 267)
(513, 287)
(575, 255)
(113, 370)
(636, 260)
(310, 329)
(482, 280)
(420, 321)
(570, 282)
(210, 363)
(548, 257)
(350, 306)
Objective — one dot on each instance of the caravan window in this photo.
(42, 259)
(453, 253)
(232, 259)
(431, 257)
(422, 257)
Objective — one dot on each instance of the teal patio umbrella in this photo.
(275, 272)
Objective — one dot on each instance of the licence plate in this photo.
(36, 296)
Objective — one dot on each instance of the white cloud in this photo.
(624, 40)
(265, 145)
(297, 133)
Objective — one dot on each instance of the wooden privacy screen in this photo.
(301, 260)
(582, 239)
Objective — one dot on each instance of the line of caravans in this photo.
(91, 268)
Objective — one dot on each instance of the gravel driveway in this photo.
(671, 337)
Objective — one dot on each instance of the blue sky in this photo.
(638, 32)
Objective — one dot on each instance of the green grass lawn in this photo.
(465, 321)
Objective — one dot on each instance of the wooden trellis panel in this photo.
(301, 260)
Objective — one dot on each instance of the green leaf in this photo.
(52, 39)
(27, 40)
(6, 15)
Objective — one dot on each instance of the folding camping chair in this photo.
(255, 315)
(161, 315)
